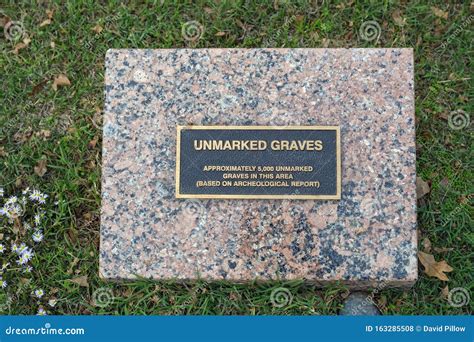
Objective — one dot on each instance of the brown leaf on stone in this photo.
(422, 188)
(60, 81)
(397, 18)
(97, 29)
(81, 281)
(439, 13)
(445, 292)
(40, 168)
(434, 268)
(426, 245)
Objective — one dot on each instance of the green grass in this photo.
(72, 114)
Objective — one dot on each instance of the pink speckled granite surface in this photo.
(367, 238)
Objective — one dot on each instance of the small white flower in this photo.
(41, 312)
(27, 226)
(35, 195)
(14, 248)
(2, 192)
(2, 248)
(37, 219)
(27, 190)
(22, 248)
(39, 293)
(28, 269)
(37, 236)
(52, 302)
(38, 196)
(25, 256)
(3, 283)
(43, 198)
(11, 200)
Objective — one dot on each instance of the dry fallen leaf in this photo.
(60, 81)
(92, 143)
(73, 264)
(52, 44)
(40, 168)
(443, 249)
(434, 268)
(45, 23)
(397, 18)
(220, 34)
(439, 13)
(426, 245)
(44, 133)
(97, 29)
(445, 292)
(2, 152)
(21, 45)
(3, 19)
(50, 14)
(81, 281)
(422, 188)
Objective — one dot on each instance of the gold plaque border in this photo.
(337, 196)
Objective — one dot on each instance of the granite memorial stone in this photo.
(243, 164)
